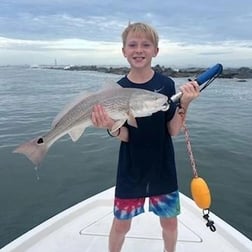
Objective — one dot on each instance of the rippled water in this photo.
(220, 128)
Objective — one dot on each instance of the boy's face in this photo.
(139, 50)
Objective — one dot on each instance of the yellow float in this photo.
(200, 193)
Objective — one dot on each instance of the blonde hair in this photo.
(141, 28)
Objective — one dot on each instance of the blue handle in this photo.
(209, 74)
(202, 78)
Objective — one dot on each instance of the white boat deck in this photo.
(85, 227)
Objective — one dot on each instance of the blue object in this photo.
(209, 74)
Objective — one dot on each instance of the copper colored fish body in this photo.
(122, 104)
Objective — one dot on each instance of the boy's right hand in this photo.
(100, 117)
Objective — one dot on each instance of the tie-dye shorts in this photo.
(166, 205)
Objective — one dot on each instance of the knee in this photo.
(169, 224)
(121, 226)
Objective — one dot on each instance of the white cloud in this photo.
(69, 51)
(206, 30)
(79, 51)
(230, 53)
(64, 44)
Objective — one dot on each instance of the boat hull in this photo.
(85, 227)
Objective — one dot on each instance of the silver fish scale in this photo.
(117, 102)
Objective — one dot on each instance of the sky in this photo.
(80, 32)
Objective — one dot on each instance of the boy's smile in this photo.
(138, 58)
(139, 50)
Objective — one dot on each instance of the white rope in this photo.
(189, 149)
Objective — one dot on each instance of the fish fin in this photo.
(110, 84)
(132, 121)
(76, 100)
(76, 133)
(35, 150)
(118, 124)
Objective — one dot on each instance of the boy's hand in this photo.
(190, 91)
(100, 117)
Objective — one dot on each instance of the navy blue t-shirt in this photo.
(146, 165)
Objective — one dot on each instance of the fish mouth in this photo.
(165, 106)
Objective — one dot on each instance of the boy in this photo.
(146, 165)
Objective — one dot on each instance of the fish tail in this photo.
(35, 150)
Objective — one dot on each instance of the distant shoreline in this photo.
(241, 74)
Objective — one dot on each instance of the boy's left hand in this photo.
(190, 91)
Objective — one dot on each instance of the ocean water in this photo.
(220, 124)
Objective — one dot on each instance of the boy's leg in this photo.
(117, 234)
(124, 211)
(170, 233)
(167, 207)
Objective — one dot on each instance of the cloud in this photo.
(58, 45)
(28, 26)
(206, 28)
(179, 21)
(68, 51)
(79, 51)
(229, 53)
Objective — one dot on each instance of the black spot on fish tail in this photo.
(40, 140)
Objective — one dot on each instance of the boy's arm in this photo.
(190, 92)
